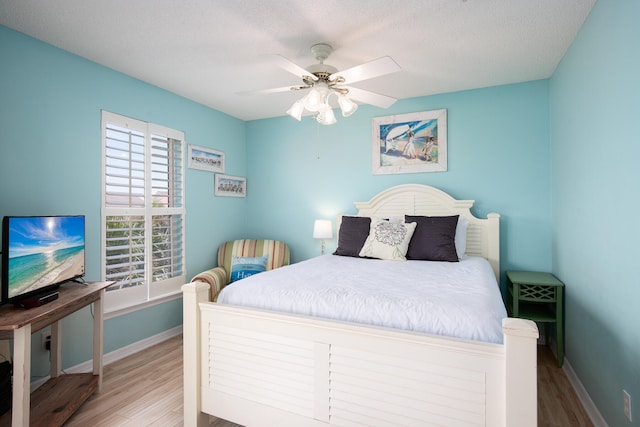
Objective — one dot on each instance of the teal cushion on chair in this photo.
(242, 267)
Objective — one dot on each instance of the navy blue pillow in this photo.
(354, 230)
(433, 239)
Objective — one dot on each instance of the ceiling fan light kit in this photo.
(317, 101)
(325, 80)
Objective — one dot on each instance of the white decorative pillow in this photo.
(388, 240)
(461, 236)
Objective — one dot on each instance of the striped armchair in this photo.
(219, 277)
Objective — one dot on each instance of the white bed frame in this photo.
(259, 368)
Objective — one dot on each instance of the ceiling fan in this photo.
(324, 80)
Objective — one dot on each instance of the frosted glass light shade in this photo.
(296, 110)
(315, 99)
(347, 106)
(326, 116)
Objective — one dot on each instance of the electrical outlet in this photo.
(626, 397)
(46, 342)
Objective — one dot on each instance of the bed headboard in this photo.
(483, 235)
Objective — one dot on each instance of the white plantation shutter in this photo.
(125, 250)
(167, 247)
(124, 158)
(142, 211)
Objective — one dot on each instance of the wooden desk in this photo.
(56, 400)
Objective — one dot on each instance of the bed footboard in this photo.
(259, 368)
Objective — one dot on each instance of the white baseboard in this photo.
(589, 407)
(118, 354)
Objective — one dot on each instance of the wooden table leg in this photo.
(98, 314)
(56, 349)
(21, 376)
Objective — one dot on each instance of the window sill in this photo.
(120, 311)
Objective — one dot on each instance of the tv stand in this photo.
(57, 399)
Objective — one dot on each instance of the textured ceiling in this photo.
(209, 50)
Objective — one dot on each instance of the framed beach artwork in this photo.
(206, 159)
(410, 143)
(230, 186)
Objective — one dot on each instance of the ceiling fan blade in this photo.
(292, 67)
(382, 101)
(368, 70)
(268, 91)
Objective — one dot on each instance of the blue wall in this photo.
(498, 154)
(594, 109)
(50, 163)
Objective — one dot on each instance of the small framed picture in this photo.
(206, 159)
(230, 186)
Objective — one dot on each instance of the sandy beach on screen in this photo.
(71, 268)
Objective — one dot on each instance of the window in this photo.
(142, 211)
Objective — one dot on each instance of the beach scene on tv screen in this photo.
(44, 251)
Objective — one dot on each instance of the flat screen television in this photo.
(39, 253)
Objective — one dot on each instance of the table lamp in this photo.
(322, 229)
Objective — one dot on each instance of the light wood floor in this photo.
(145, 389)
(558, 405)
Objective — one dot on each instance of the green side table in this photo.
(537, 296)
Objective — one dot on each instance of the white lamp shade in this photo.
(314, 100)
(326, 116)
(322, 229)
(296, 110)
(347, 106)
